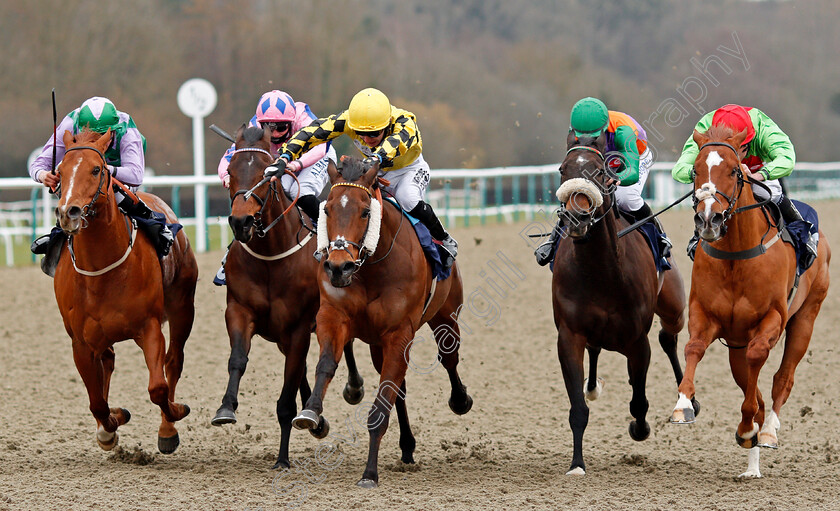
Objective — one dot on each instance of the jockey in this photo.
(384, 134)
(769, 156)
(125, 161)
(627, 154)
(278, 112)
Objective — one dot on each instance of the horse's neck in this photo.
(602, 245)
(283, 233)
(106, 236)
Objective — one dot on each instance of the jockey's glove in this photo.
(370, 161)
(275, 168)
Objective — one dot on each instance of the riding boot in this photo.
(545, 252)
(692, 245)
(158, 232)
(790, 214)
(221, 279)
(50, 246)
(312, 207)
(424, 212)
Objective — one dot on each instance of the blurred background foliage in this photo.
(491, 81)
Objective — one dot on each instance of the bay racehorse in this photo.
(746, 292)
(377, 286)
(605, 291)
(111, 286)
(272, 290)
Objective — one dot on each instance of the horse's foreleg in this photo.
(354, 390)
(752, 409)
(332, 337)
(108, 358)
(153, 344)
(391, 385)
(407, 440)
(703, 332)
(240, 328)
(570, 349)
(293, 373)
(741, 374)
(593, 385)
(638, 361)
(91, 370)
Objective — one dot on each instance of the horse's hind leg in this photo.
(638, 361)
(407, 440)
(293, 375)
(240, 328)
(447, 336)
(93, 373)
(354, 390)
(593, 385)
(181, 313)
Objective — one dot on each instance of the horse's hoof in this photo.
(696, 406)
(186, 410)
(306, 419)
(592, 395)
(353, 395)
(280, 463)
(639, 433)
(322, 430)
(768, 440)
(577, 471)
(750, 474)
(461, 409)
(367, 483)
(105, 441)
(168, 445)
(126, 415)
(224, 416)
(683, 416)
(746, 443)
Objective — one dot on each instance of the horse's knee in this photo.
(326, 364)
(159, 394)
(757, 354)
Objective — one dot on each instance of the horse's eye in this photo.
(326, 213)
(96, 170)
(366, 213)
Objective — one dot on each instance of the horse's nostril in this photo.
(699, 221)
(347, 266)
(716, 220)
(74, 212)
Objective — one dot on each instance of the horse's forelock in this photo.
(351, 169)
(719, 133)
(252, 135)
(87, 136)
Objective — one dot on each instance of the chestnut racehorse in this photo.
(376, 286)
(742, 293)
(272, 289)
(110, 286)
(605, 292)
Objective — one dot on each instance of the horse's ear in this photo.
(738, 139)
(104, 141)
(370, 175)
(700, 138)
(239, 132)
(570, 139)
(68, 138)
(601, 141)
(333, 172)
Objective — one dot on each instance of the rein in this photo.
(731, 211)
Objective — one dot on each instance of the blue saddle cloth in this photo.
(801, 231)
(157, 219)
(434, 252)
(652, 237)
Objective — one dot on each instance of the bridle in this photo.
(264, 202)
(104, 182)
(341, 243)
(730, 210)
(601, 170)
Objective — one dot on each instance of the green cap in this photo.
(98, 114)
(589, 117)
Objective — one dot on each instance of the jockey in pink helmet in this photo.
(282, 116)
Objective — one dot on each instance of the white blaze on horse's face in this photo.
(68, 188)
(344, 201)
(581, 160)
(713, 159)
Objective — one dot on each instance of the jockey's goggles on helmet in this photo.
(277, 126)
(370, 134)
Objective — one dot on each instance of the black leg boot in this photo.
(159, 234)
(545, 252)
(50, 246)
(423, 212)
(310, 205)
(790, 214)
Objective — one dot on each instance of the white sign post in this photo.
(197, 98)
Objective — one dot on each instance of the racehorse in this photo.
(605, 291)
(377, 286)
(271, 285)
(742, 293)
(110, 286)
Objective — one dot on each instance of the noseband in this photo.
(602, 170)
(341, 243)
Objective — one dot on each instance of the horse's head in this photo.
(717, 173)
(85, 180)
(250, 158)
(349, 227)
(584, 188)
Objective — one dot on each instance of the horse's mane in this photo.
(719, 132)
(252, 135)
(351, 168)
